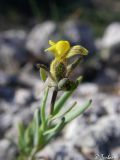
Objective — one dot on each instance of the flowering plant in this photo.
(43, 128)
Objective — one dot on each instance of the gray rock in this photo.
(23, 115)
(79, 33)
(16, 35)
(104, 105)
(6, 93)
(114, 58)
(78, 131)
(5, 123)
(61, 151)
(106, 127)
(3, 79)
(108, 75)
(109, 46)
(12, 51)
(37, 39)
(111, 35)
(112, 104)
(7, 150)
(22, 96)
(87, 89)
(4, 145)
(29, 81)
(8, 107)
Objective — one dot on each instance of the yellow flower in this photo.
(59, 49)
(62, 50)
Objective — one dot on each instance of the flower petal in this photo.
(52, 49)
(77, 50)
(52, 42)
(62, 47)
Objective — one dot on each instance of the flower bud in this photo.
(66, 85)
(58, 69)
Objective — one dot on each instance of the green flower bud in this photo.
(66, 85)
(58, 69)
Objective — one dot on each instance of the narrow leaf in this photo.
(43, 74)
(60, 115)
(43, 116)
(21, 142)
(36, 125)
(56, 129)
(29, 135)
(76, 112)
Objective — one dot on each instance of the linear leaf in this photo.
(76, 112)
(56, 128)
(43, 74)
(21, 141)
(43, 117)
(36, 125)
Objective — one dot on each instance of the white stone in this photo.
(38, 37)
(111, 35)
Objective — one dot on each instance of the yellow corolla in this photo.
(59, 49)
(62, 50)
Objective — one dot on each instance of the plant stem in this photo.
(32, 156)
(54, 96)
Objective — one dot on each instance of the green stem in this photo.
(54, 96)
(32, 156)
(43, 117)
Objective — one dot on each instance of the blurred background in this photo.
(25, 28)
